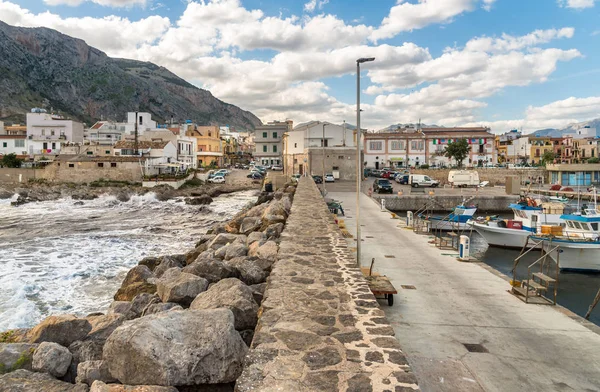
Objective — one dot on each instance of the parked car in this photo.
(224, 172)
(329, 177)
(217, 179)
(382, 185)
(296, 177)
(277, 168)
(255, 176)
(402, 179)
(318, 179)
(417, 180)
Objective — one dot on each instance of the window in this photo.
(397, 145)
(107, 152)
(295, 160)
(325, 141)
(340, 157)
(577, 225)
(264, 148)
(594, 226)
(4, 144)
(481, 148)
(375, 145)
(71, 165)
(54, 146)
(19, 143)
(43, 132)
(265, 135)
(274, 148)
(52, 132)
(113, 164)
(89, 152)
(100, 164)
(295, 145)
(417, 145)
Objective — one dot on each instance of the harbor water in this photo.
(70, 257)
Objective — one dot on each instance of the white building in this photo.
(46, 132)
(160, 156)
(269, 142)
(105, 132)
(144, 122)
(186, 145)
(317, 134)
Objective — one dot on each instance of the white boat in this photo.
(579, 246)
(457, 220)
(528, 219)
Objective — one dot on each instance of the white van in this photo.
(463, 178)
(417, 180)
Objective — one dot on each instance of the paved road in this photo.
(530, 347)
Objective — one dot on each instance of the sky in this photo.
(504, 64)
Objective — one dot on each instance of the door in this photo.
(377, 165)
(301, 169)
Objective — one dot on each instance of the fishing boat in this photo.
(529, 217)
(578, 241)
(456, 220)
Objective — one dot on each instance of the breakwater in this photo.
(177, 322)
(488, 203)
(320, 327)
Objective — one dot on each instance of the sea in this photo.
(63, 256)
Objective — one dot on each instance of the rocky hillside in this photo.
(42, 67)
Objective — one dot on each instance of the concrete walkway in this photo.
(529, 347)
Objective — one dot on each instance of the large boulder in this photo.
(274, 208)
(83, 351)
(205, 239)
(150, 262)
(138, 280)
(212, 270)
(119, 307)
(161, 307)
(180, 287)
(176, 348)
(250, 224)
(193, 254)
(248, 270)
(231, 294)
(99, 386)
(90, 371)
(200, 200)
(63, 329)
(15, 356)
(25, 381)
(274, 230)
(52, 358)
(236, 250)
(222, 251)
(168, 263)
(104, 325)
(221, 240)
(258, 291)
(140, 303)
(256, 236)
(266, 251)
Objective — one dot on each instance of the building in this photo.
(159, 157)
(47, 132)
(13, 142)
(84, 168)
(505, 146)
(585, 149)
(303, 150)
(268, 140)
(209, 147)
(186, 145)
(574, 174)
(540, 145)
(410, 147)
(105, 132)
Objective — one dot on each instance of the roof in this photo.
(142, 144)
(13, 136)
(98, 124)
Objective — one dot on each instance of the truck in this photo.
(417, 180)
(463, 178)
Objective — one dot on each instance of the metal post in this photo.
(323, 152)
(358, 164)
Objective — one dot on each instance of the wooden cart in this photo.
(379, 285)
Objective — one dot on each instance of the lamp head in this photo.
(365, 59)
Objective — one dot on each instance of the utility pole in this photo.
(323, 152)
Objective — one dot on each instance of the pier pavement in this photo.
(526, 347)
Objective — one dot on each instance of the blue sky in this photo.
(501, 63)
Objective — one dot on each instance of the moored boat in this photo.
(457, 220)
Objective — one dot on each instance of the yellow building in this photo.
(539, 145)
(210, 147)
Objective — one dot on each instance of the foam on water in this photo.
(58, 257)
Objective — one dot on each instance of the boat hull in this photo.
(445, 225)
(573, 255)
(501, 236)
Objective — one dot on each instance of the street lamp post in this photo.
(359, 165)
(323, 152)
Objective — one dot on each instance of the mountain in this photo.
(40, 67)
(393, 127)
(582, 129)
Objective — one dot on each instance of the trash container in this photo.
(268, 187)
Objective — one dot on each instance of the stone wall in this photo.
(8, 175)
(320, 328)
(494, 176)
(413, 203)
(85, 172)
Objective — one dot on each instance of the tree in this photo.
(593, 160)
(457, 150)
(11, 160)
(548, 157)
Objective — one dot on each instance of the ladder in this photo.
(542, 274)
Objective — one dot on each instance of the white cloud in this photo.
(106, 3)
(206, 44)
(406, 16)
(312, 5)
(577, 4)
(509, 43)
(487, 4)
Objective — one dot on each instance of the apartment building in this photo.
(268, 141)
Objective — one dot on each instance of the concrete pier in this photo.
(459, 326)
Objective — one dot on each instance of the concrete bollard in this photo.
(463, 247)
(409, 218)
